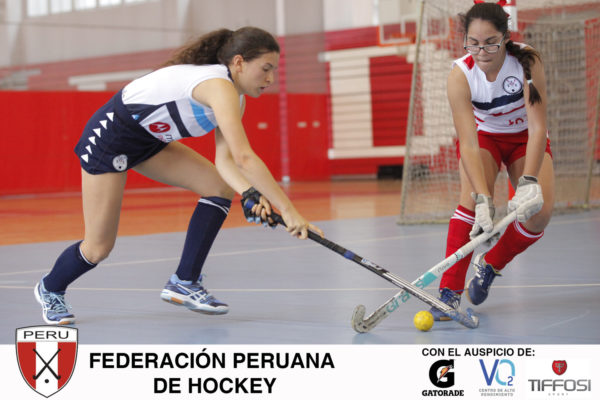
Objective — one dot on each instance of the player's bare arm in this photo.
(222, 97)
(459, 96)
(537, 121)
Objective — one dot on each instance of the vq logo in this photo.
(46, 357)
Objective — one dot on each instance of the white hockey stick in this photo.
(362, 325)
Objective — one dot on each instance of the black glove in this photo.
(254, 196)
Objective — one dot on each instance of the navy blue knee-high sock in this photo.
(70, 265)
(204, 225)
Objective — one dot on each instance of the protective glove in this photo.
(528, 199)
(484, 214)
(255, 197)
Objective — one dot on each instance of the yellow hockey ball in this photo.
(423, 321)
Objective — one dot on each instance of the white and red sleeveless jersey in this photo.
(162, 103)
(499, 106)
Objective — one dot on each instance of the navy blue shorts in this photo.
(113, 141)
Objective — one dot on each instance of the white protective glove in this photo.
(484, 214)
(528, 199)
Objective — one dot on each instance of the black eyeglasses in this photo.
(488, 48)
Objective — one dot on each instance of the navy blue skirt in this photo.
(113, 141)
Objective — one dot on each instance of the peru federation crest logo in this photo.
(46, 356)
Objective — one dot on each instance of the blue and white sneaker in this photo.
(55, 310)
(479, 285)
(449, 297)
(193, 296)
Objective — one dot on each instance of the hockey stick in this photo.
(46, 365)
(365, 325)
(466, 319)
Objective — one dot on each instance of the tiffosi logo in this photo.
(573, 382)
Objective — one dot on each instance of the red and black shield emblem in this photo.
(559, 367)
(46, 356)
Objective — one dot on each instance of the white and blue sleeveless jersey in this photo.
(161, 101)
(499, 106)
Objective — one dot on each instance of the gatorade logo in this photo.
(441, 373)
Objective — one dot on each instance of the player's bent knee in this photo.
(539, 221)
(224, 194)
(227, 193)
(96, 253)
(217, 189)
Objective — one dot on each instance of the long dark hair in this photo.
(220, 46)
(495, 14)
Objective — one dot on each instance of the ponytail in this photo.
(526, 57)
(220, 46)
(203, 50)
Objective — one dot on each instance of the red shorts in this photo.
(505, 148)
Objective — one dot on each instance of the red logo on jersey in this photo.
(469, 62)
(159, 127)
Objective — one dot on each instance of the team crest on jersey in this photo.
(512, 85)
(46, 356)
(120, 162)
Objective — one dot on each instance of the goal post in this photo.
(567, 34)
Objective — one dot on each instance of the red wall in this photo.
(391, 78)
(308, 137)
(40, 130)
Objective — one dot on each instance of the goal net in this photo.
(567, 34)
